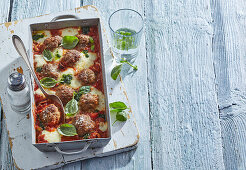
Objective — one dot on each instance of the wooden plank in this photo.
(185, 124)
(229, 53)
(136, 87)
(4, 11)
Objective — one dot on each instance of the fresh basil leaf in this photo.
(39, 69)
(91, 40)
(121, 116)
(92, 47)
(66, 78)
(37, 36)
(72, 107)
(118, 105)
(48, 82)
(82, 90)
(116, 71)
(48, 55)
(86, 136)
(67, 130)
(86, 53)
(85, 30)
(57, 56)
(69, 42)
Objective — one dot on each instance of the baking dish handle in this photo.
(63, 17)
(72, 153)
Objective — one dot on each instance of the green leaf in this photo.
(86, 53)
(37, 36)
(92, 47)
(67, 130)
(91, 40)
(118, 105)
(69, 42)
(71, 107)
(39, 69)
(48, 82)
(48, 55)
(127, 62)
(57, 56)
(101, 116)
(82, 90)
(86, 136)
(66, 78)
(121, 116)
(85, 30)
(116, 71)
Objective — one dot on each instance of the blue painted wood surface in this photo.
(189, 93)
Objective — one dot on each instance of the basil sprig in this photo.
(82, 90)
(67, 130)
(119, 108)
(48, 82)
(71, 107)
(69, 42)
(48, 55)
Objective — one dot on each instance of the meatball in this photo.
(70, 58)
(86, 76)
(88, 102)
(52, 42)
(65, 93)
(50, 70)
(83, 39)
(83, 124)
(50, 115)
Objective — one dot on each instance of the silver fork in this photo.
(20, 48)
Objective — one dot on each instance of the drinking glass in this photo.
(126, 27)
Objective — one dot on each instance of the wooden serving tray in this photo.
(125, 135)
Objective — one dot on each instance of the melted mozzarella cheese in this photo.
(46, 34)
(74, 82)
(86, 62)
(39, 92)
(101, 105)
(39, 60)
(70, 31)
(51, 136)
(103, 126)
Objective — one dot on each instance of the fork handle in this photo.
(20, 48)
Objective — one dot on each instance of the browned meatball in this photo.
(50, 70)
(50, 115)
(65, 93)
(52, 42)
(86, 76)
(70, 58)
(88, 102)
(83, 124)
(83, 39)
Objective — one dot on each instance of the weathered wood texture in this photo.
(229, 52)
(185, 124)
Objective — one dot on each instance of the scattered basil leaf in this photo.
(66, 78)
(39, 69)
(57, 56)
(116, 71)
(48, 55)
(121, 116)
(86, 136)
(71, 107)
(127, 62)
(69, 42)
(82, 90)
(85, 30)
(85, 52)
(118, 105)
(48, 82)
(91, 40)
(92, 47)
(37, 36)
(67, 130)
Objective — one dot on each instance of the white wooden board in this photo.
(125, 136)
